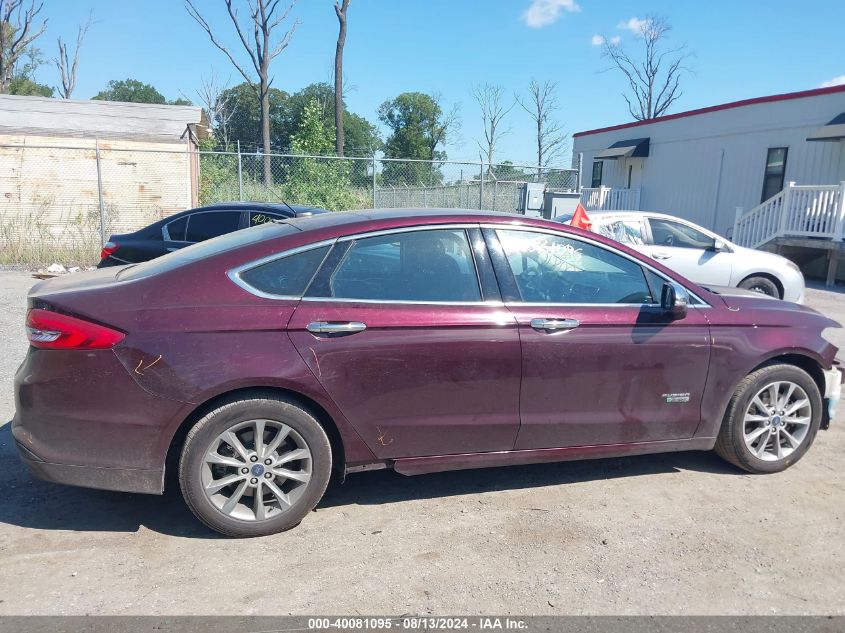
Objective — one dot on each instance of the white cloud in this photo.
(635, 25)
(598, 40)
(544, 12)
(839, 80)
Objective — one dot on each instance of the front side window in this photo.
(287, 276)
(557, 269)
(204, 226)
(432, 265)
(596, 179)
(678, 234)
(774, 172)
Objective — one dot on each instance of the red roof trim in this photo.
(725, 106)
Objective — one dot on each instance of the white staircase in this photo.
(797, 211)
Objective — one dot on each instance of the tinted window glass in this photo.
(262, 217)
(434, 265)
(595, 181)
(774, 172)
(204, 226)
(669, 233)
(210, 248)
(557, 269)
(288, 276)
(625, 231)
(176, 229)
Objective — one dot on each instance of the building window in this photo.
(775, 171)
(630, 173)
(596, 181)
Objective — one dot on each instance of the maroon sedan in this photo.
(262, 362)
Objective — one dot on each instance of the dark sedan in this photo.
(195, 225)
(265, 360)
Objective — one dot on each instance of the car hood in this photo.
(767, 309)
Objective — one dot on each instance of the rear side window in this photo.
(287, 276)
(622, 230)
(204, 226)
(262, 217)
(556, 269)
(432, 265)
(176, 229)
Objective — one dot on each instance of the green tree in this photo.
(243, 116)
(180, 101)
(418, 127)
(130, 90)
(322, 182)
(28, 88)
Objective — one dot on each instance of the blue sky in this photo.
(742, 49)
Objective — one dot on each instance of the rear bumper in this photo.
(122, 479)
(80, 419)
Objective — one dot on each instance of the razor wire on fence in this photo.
(60, 202)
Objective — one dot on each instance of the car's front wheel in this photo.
(255, 466)
(771, 419)
(763, 285)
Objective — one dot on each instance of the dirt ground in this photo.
(680, 533)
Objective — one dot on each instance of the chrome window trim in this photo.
(235, 273)
(489, 304)
(596, 243)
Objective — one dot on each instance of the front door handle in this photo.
(555, 325)
(661, 256)
(335, 327)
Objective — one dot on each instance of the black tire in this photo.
(763, 285)
(237, 411)
(731, 445)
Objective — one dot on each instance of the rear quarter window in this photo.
(287, 276)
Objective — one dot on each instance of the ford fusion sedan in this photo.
(195, 225)
(258, 364)
(701, 255)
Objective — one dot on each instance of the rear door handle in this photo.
(335, 327)
(555, 325)
(661, 256)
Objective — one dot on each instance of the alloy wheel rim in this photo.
(256, 470)
(777, 421)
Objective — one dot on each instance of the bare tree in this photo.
(494, 108)
(261, 50)
(340, 10)
(67, 68)
(655, 79)
(18, 29)
(542, 106)
(217, 105)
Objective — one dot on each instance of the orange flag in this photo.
(580, 218)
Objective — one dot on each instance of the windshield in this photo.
(205, 249)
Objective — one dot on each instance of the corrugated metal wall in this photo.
(681, 175)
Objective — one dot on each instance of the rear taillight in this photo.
(51, 330)
(108, 249)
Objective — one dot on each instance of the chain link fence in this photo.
(59, 203)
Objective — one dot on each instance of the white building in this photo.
(768, 172)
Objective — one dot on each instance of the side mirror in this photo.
(719, 246)
(674, 300)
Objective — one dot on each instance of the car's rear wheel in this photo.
(256, 466)
(763, 285)
(771, 419)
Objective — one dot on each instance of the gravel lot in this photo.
(665, 534)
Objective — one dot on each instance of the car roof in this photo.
(279, 207)
(366, 220)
